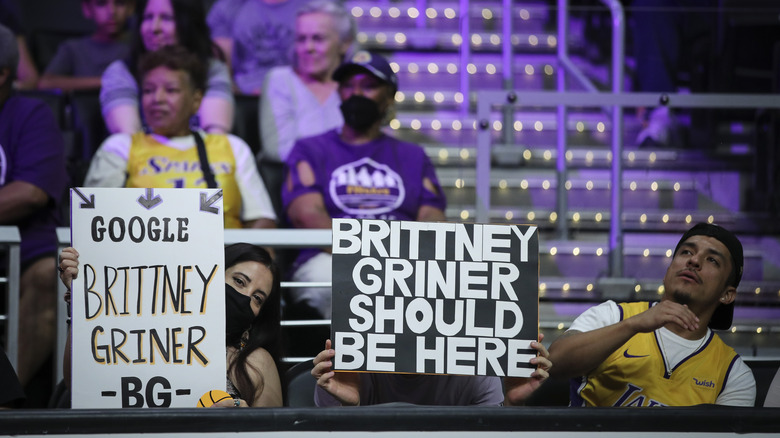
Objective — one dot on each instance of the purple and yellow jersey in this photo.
(153, 164)
(637, 375)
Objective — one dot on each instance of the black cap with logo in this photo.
(373, 63)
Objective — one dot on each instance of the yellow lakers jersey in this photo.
(152, 164)
(637, 375)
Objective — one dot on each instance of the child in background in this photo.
(79, 62)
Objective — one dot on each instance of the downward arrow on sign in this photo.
(150, 200)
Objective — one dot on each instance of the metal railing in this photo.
(10, 239)
(613, 104)
(276, 238)
(400, 420)
(565, 65)
(487, 100)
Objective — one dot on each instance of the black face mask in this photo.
(360, 112)
(238, 314)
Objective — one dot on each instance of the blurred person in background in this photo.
(79, 62)
(173, 84)
(162, 23)
(26, 77)
(355, 171)
(32, 184)
(254, 35)
(302, 100)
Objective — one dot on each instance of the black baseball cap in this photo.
(373, 63)
(724, 314)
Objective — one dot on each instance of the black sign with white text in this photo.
(435, 298)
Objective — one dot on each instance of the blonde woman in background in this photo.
(301, 100)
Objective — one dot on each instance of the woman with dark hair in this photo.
(161, 23)
(252, 351)
(252, 315)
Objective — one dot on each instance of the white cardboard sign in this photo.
(148, 306)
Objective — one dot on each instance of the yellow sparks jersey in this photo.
(153, 164)
(636, 374)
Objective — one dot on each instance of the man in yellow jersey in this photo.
(172, 84)
(664, 353)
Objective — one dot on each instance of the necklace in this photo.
(667, 363)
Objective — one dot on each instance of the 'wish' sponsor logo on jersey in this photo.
(704, 383)
(365, 187)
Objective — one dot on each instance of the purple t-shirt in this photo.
(377, 180)
(86, 57)
(445, 390)
(32, 150)
(262, 32)
(382, 179)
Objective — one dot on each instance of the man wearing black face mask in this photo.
(356, 171)
(367, 87)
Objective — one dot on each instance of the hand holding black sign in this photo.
(345, 387)
(518, 389)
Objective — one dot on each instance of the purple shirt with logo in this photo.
(32, 150)
(382, 179)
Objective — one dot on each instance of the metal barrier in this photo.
(10, 238)
(613, 104)
(566, 65)
(398, 420)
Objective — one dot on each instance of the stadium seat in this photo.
(246, 120)
(300, 385)
(89, 129)
(57, 101)
(763, 371)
